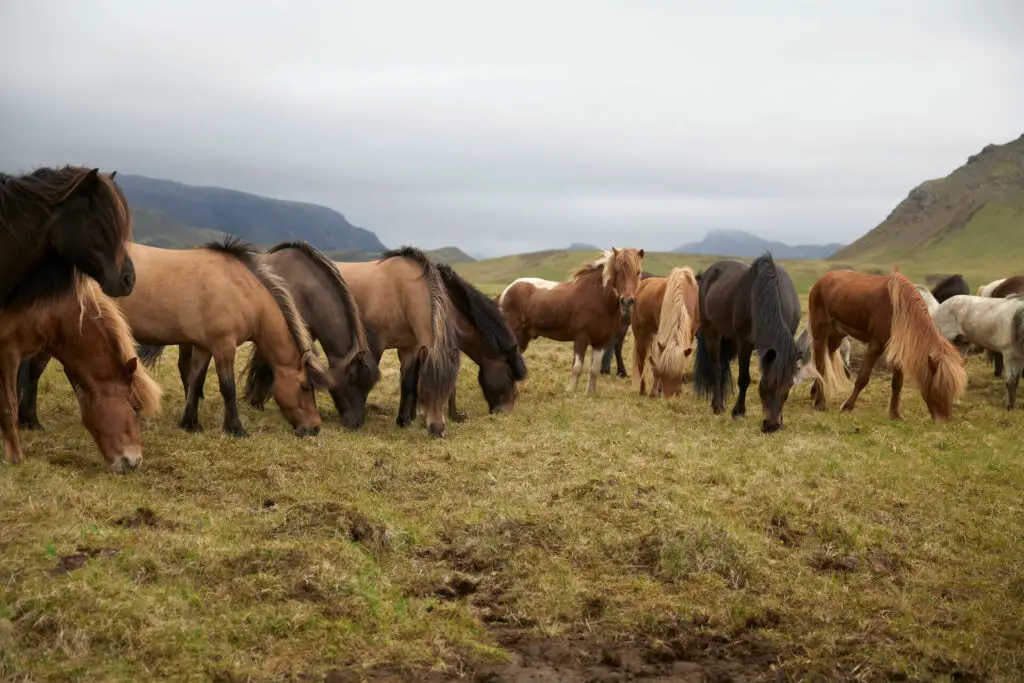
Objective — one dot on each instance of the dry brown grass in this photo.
(848, 546)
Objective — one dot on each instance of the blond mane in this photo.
(675, 327)
(610, 261)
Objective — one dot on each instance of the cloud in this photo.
(525, 126)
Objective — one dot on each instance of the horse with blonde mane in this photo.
(665, 313)
(586, 310)
(888, 315)
(86, 331)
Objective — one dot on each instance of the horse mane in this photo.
(485, 315)
(915, 344)
(47, 187)
(440, 369)
(675, 328)
(607, 263)
(769, 326)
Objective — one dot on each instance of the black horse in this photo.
(949, 287)
(70, 221)
(618, 340)
(743, 308)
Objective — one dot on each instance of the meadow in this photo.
(601, 537)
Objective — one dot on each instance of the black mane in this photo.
(769, 323)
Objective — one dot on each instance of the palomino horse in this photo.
(665, 312)
(405, 306)
(328, 308)
(1000, 289)
(615, 348)
(950, 286)
(743, 308)
(887, 314)
(996, 325)
(86, 332)
(73, 216)
(587, 310)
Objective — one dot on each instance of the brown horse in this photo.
(587, 310)
(74, 218)
(87, 333)
(217, 298)
(405, 306)
(665, 312)
(888, 314)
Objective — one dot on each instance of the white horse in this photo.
(993, 324)
(932, 302)
(986, 290)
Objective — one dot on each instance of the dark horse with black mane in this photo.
(72, 221)
(619, 339)
(743, 308)
(949, 287)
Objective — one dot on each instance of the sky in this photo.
(518, 126)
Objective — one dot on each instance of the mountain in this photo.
(976, 212)
(746, 245)
(582, 246)
(261, 220)
(450, 255)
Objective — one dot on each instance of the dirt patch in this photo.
(69, 563)
(778, 527)
(145, 516)
(694, 657)
(305, 519)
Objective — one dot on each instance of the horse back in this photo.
(646, 314)
(857, 303)
(393, 298)
(724, 299)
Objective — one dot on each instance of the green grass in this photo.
(853, 546)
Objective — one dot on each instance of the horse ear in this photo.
(318, 377)
(661, 346)
(89, 183)
(112, 174)
(130, 367)
(933, 363)
(453, 355)
(641, 252)
(687, 352)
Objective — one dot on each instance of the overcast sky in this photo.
(514, 126)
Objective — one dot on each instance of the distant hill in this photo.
(443, 255)
(450, 255)
(157, 229)
(743, 244)
(261, 220)
(582, 246)
(976, 213)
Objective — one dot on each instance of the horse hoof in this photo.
(895, 416)
(737, 414)
(847, 408)
(306, 431)
(236, 431)
(33, 426)
(191, 426)
(403, 422)
(624, 375)
(459, 417)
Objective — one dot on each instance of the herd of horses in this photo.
(75, 287)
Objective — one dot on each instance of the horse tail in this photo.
(1018, 329)
(829, 366)
(674, 339)
(439, 369)
(150, 354)
(916, 346)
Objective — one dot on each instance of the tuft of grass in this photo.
(855, 546)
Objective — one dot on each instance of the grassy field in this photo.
(596, 537)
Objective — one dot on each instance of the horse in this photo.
(803, 344)
(587, 310)
(405, 306)
(327, 307)
(929, 299)
(615, 348)
(742, 308)
(888, 314)
(1000, 289)
(950, 286)
(665, 313)
(993, 324)
(86, 331)
(73, 216)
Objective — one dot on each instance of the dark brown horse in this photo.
(949, 287)
(1008, 286)
(73, 217)
(620, 338)
(587, 310)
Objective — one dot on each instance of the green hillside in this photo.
(157, 229)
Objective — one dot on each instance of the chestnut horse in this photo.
(405, 306)
(86, 332)
(587, 310)
(888, 314)
(1000, 289)
(75, 217)
(665, 312)
(328, 308)
(742, 309)
(615, 348)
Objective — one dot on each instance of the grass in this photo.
(852, 546)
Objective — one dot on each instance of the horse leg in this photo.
(997, 360)
(190, 416)
(894, 401)
(1012, 372)
(224, 360)
(743, 360)
(606, 359)
(641, 343)
(410, 379)
(619, 341)
(871, 356)
(9, 362)
(595, 368)
(29, 372)
(185, 368)
(579, 352)
(453, 412)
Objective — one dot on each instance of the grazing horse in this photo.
(888, 314)
(405, 306)
(75, 217)
(665, 312)
(994, 325)
(803, 343)
(742, 308)
(85, 330)
(929, 299)
(1000, 289)
(587, 310)
(950, 286)
(615, 348)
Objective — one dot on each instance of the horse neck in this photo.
(593, 282)
(470, 341)
(91, 352)
(272, 336)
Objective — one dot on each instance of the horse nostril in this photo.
(128, 280)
